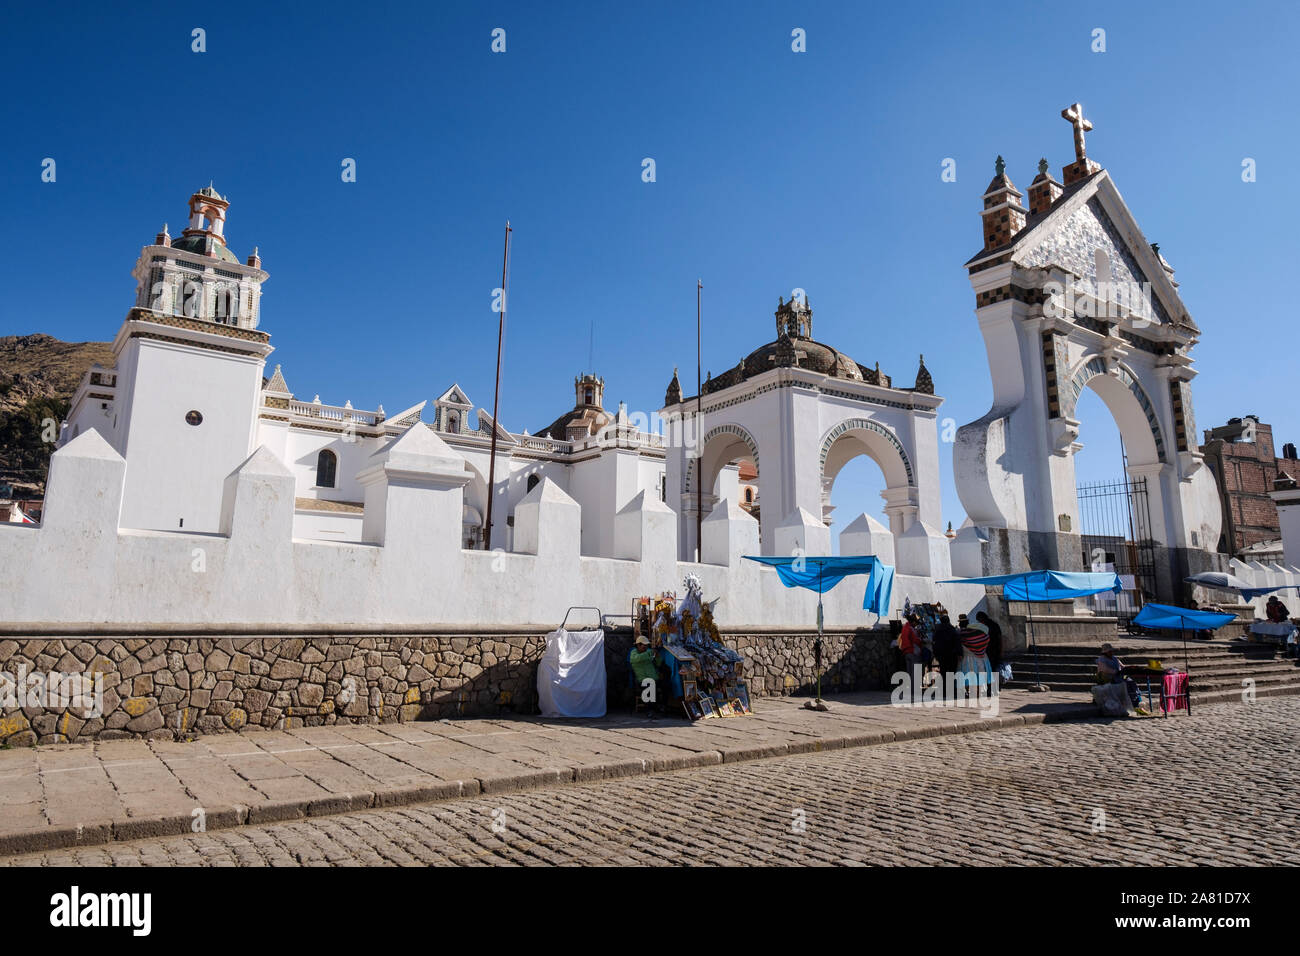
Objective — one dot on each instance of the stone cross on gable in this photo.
(1074, 114)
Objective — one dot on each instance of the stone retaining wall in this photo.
(165, 687)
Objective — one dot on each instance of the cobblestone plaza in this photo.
(1214, 788)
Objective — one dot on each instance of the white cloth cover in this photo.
(1113, 700)
(571, 674)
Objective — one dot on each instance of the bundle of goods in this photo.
(713, 679)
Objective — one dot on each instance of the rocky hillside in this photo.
(38, 374)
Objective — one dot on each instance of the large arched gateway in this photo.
(789, 416)
(1071, 296)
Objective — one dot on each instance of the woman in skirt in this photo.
(975, 667)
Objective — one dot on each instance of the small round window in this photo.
(193, 417)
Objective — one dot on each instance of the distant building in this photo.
(1243, 459)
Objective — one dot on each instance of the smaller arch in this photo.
(533, 481)
(721, 431)
(327, 464)
(866, 424)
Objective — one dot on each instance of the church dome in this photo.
(794, 347)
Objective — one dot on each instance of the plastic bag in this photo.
(1113, 700)
(1004, 672)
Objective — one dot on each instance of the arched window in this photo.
(587, 396)
(327, 465)
(532, 482)
(453, 424)
(749, 496)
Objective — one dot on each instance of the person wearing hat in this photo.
(643, 660)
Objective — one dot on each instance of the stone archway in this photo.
(721, 446)
(1145, 439)
(862, 436)
(718, 448)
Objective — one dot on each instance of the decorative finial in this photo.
(1042, 167)
(1000, 166)
(924, 381)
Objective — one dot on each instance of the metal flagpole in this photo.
(818, 704)
(699, 424)
(496, 397)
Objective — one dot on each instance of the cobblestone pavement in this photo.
(75, 795)
(1214, 788)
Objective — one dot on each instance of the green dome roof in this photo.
(204, 246)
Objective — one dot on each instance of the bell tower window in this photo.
(327, 464)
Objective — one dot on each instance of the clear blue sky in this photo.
(819, 170)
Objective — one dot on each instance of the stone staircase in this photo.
(1217, 667)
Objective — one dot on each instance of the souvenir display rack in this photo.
(712, 675)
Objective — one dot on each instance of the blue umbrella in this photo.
(1047, 586)
(1169, 618)
(1223, 581)
(820, 574)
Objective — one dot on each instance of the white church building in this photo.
(188, 398)
(190, 444)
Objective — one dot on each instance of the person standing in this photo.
(947, 652)
(995, 640)
(974, 659)
(912, 646)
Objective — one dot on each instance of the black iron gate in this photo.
(1115, 524)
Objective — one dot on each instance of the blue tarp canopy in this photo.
(820, 574)
(1181, 618)
(1049, 585)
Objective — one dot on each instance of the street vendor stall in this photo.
(820, 574)
(1030, 586)
(704, 674)
(1182, 619)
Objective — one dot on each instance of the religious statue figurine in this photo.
(707, 627)
(663, 621)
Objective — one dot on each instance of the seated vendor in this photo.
(643, 661)
(1110, 670)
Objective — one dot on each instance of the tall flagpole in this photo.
(496, 397)
(699, 425)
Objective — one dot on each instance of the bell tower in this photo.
(196, 275)
(181, 403)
